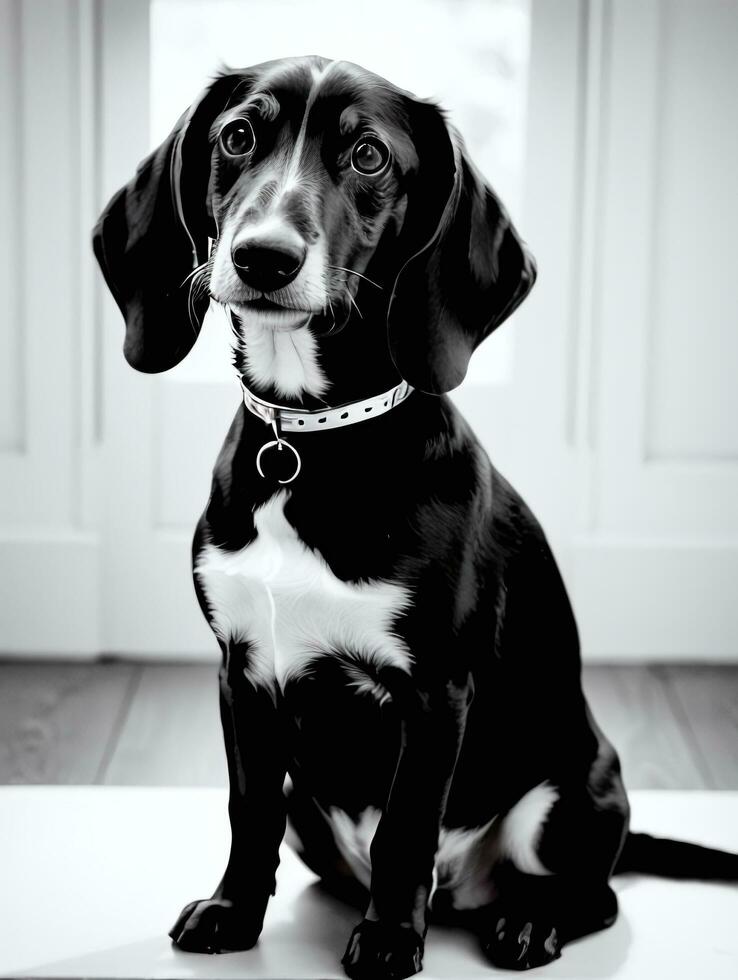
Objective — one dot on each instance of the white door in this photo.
(655, 566)
(49, 397)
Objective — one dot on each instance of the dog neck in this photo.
(283, 364)
(302, 369)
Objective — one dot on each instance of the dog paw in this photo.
(380, 952)
(514, 942)
(216, 925)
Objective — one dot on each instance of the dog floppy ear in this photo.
(155, 231)
(467, 270)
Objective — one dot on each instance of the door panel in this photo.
(48, 454)
(661, 543)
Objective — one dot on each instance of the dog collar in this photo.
(281, 418)
(313, 420)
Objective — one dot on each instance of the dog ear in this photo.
(155, 231)
(466, 267)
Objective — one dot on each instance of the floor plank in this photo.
(57, 720)
(631, 705)
(158, 724)
(707, 697)
(171, 735)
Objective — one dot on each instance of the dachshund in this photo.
(400, 675)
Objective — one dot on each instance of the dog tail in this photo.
(675, 859)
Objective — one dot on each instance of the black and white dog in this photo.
(396, 637)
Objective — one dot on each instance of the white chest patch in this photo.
(282, 598)
(286, 360)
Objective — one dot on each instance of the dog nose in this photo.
(266, 267)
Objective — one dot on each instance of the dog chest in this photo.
(282, 599)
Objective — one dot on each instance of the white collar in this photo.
(313, 420)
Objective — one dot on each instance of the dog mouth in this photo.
(267, 312)
(264, 305)
(264, 313)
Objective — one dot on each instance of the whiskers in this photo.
(353, 302)
(353, 272)
(199, 280)
(333, 313)
(340, 283)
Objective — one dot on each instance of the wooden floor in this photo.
(158, 725)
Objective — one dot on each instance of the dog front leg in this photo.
(232, 918)
(389, 942)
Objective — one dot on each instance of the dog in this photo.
(400, 672)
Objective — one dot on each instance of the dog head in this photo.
(331, 196)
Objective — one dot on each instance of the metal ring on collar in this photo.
(278, 443)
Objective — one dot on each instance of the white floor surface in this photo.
(91, 878)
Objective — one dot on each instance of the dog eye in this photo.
(370, 156)
(237, 138)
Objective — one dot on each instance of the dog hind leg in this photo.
(563, 894)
